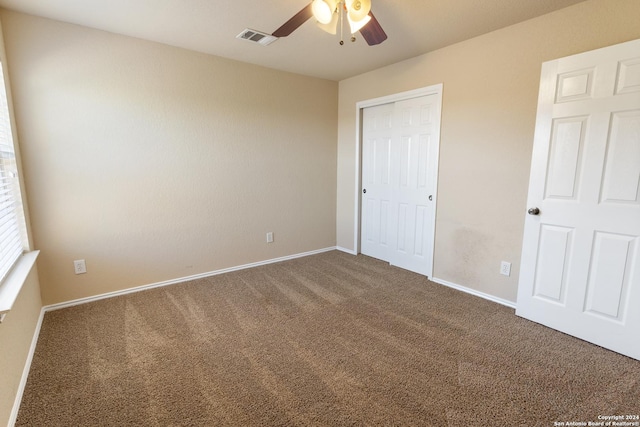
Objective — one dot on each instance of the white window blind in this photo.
(12, 229)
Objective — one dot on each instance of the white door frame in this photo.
(428, 90)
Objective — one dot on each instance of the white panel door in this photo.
(414, 157)
(399, 172)
(580, 269)
(376, 180)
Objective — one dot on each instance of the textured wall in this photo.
(488, 119)
(154, 163)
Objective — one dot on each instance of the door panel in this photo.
(622, 168)
(567, 143)
(610, 276)
(376, 180)
(628, 76)
(412, 244)
(580, 256)
(551, 276)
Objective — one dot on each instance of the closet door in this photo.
(376, 180)
(399, 172)
(413, 160)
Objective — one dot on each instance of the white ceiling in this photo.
(210, 26)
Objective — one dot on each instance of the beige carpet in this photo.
(327, 340)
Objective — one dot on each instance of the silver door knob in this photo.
(534, 211)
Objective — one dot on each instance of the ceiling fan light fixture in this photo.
(323, 10)
(330, 14)
(358, 9)
(331, 27)
(355, 26)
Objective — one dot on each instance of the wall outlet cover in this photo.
(79, 266)
(505, 268)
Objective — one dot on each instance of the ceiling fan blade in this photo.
(372, 32)
(292, 24)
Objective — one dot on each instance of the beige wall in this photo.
(16, 333)
(154, 163)
(488, 119)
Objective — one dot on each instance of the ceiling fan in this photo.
(330, 13)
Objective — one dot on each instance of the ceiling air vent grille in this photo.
(256, 37)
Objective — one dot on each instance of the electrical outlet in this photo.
(270, 237)
(505, 268)
(79, 266)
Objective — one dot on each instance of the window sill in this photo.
(12, 285)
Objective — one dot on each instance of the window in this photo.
(13, 236)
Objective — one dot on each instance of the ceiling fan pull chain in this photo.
(340, 7)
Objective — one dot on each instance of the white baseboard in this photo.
(25, 372)
(489, 297)
(181, 279)
(349, 251)
(465, 289)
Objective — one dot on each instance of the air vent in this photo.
(256, 37)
